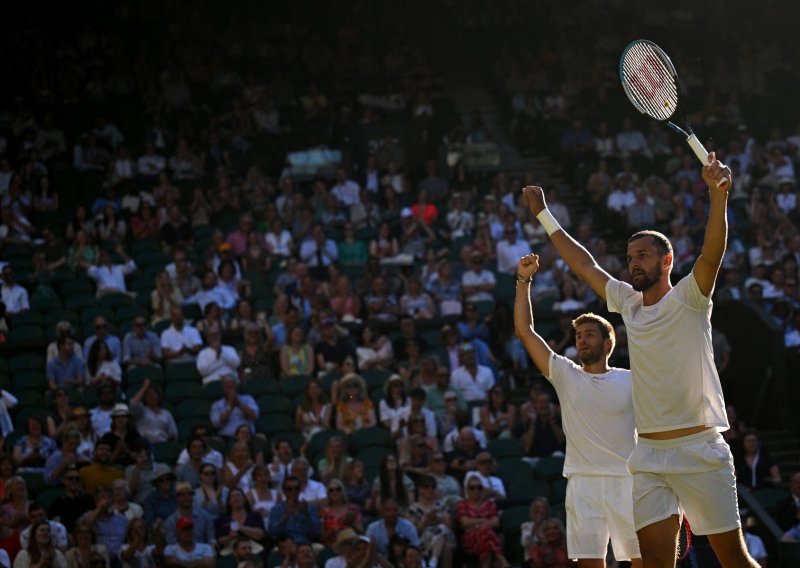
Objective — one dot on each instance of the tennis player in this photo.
(597, 411)
(681, 464)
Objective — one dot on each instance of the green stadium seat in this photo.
(528, 489)
(34, 481)
(181, 372)
(317, 443)
(115, 300)
(29, 379)
(376, 378)
(178, 391)
(371, 457)
(511, 521)
(44, 305)
(270, 424)
(192, 408)
(166, 452)
(212, 391)
(24, 319)
(506, 448)
(137, 375)
(292, 386)
(768, 497)
(549, 468)
(27, 335)
(259, 387)
(46, 497)
(186, 425)
(80, 302)
(25, 363)
(558, 490)
(295, 439)
(370, 437)
(77, 288)
(276, 404)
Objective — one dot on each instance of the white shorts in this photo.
(600, 507)
(692, 475)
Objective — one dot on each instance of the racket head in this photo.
(649, 79)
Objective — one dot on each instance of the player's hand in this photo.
(528, 265)
(533, 196)
(716, 174)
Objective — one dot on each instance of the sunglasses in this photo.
(474, 487)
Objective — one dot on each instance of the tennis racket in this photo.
(651, 84)
(684, 542)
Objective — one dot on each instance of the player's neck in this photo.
(655, 292)
(597, 368)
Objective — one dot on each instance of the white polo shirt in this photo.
(597, 417)
(675, 382)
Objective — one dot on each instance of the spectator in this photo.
(100, 472)
(101, 368)
(62, 460)
(154, 423)
(392, 483)
(416, 302)
(180, 343)
(787, 510)
(122, 436)
(472, 379)
(212, 291)
(36, 515)
(63, 329)
(510, 250)
(433, 523)
(484, 466)
(14, 296)
(108, 525)
(311, 491)
(314, 412)
(531, 531)
(41, 550)
(191, 470)
(544, 436)
(238, 467)
(394, 402)
(478, 516)
(203, 523)
(138, 550)
(381, 304)
(187, 552)
(110, 277)
(498, 418)
(161, 502)
(333, 350)
(32, 450)
(85, 548)
(353, 409)
(74, 502)
(140, 475)
(217, 360)
(334, 461)
(755, 468)
(416, 408)
(463, 453)
(318, 252)
(233, 409)
(384, 245)
(478, 284)
(141, 347)
(101, 334)
(298, 520)
(120, 502)
(391, 523)
(336, 514)
(551, 551)
(66, 370)
(261, 497)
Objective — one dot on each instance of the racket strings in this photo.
(649, 82)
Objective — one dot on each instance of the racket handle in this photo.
(701, 152)
(698, 148)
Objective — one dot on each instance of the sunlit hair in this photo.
(660, 241)
(606, 329)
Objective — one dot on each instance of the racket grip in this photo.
(701, 153)
(698, 148)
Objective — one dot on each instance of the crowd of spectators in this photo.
(211, 348)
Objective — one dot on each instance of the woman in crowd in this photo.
(32, 450)
(256, 361)
(83, 253)
(139, 549)
(261, 496)
(338, 514)
(498, 418)
(101, 367)
(392, 482)
(164, 297)
(384, 245)
(80, 555)
(154, 423)
(433, 523)
(314, 412)
(415, 454)
(238, 469)
(344, 301)
(480, 519)
(551, 551)
(755, 468)
(211, 495)
(531, 531)
(334, 460)
(238, 520)
(212, 317)
(296, 355)
(191, 470)
(416, 302)
(354, 410)
(356, 486)
(41, 551)
(394, 405)
(123, 436)
(60, 417)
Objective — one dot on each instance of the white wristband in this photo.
(548, 221)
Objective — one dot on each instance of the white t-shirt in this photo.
(675, 382)
(597, 417)
(473, 388)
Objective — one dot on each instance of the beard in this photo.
(591, 355)
(646, 280)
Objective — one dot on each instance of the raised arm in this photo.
(534, 344)
(707, 264)
(574, 254)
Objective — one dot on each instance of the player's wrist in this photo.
(522, 279)
(548, 221)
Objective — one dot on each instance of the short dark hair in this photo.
(660, 241)
(606, 329)
(418, 393)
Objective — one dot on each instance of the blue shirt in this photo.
(203, 526)
(134, 347)
(157, 507)
(301, 527)
(66, 374)
(236, 417)
(110, 531)
(377, 531)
